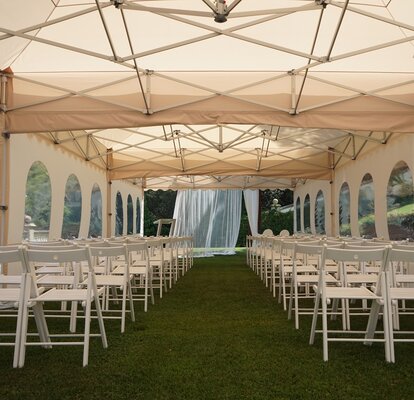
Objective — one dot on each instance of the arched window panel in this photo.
(297, 210)
(400, 203)
(95, 224)
(344, 211)
(72, 210)
(306, 214)
(119, 222)
(130, 216)
(138, 216)
(37, 204)
(320, 213)
(366, 207)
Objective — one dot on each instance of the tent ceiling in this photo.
(281, 91)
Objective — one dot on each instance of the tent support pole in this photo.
(5, 154)
(108, 196)
(332, 189)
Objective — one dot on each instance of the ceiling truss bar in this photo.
(161, 10)
(338, 27)
(293, 101)
(170, 46)
(72, 138)
(371, 139)
(55, 141)
(203, 139)
(57, 20)
(182, 151)
(295, 104)
(64, 46)
(289, 10)
(372, 48)
(236, 140)
(108, 35)
(268, 142)
(135, 61)
(98, 152)
(360, 91)
(355, 53)
(362, 147)
(79, 146)
(71, 93)
(203, 37)
(349, 139)
(88, 139)
(240, 37)
(374, 16)
(128, 5)
(353, 147)
(220, 145)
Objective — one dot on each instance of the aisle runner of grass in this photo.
(218, 334)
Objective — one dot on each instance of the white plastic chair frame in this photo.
(13, 294)
(305, 276)
(34, 299)
(325, 294)
(109, 253)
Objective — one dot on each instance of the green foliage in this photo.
(130, 216)
(158, 204)
(38, 196)
(284, 196)
(72, 208)
(277, 221)
(95, 223)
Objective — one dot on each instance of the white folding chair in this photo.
(326, 294)
(112, 254)
(85, 294)
(305, 276)
(399, 289)
(140, 269)
(12, 290)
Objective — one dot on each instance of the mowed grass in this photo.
(218, 334)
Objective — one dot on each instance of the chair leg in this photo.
(314, 318)
(87, 330)
(325, 329)
(131, 301)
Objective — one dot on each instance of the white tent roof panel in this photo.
(283, 89)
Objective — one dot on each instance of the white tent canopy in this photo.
(148, 89)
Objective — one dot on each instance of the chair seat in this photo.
(404, 278)
(9, 294)
(50, 269)
(401, 293)
(63, 295)
(314, 279)
(109, 280)
(361, 278)
(56, 280)
(302, 269)
(350, 293)
(10, 279)
(133, 270)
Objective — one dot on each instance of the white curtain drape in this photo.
(251, 201)
(212, 217)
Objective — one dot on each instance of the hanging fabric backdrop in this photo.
(212, 217)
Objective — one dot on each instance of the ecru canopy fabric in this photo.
(285, 89)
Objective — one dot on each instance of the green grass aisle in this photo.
(218, 334)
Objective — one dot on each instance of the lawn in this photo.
(218, 334)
